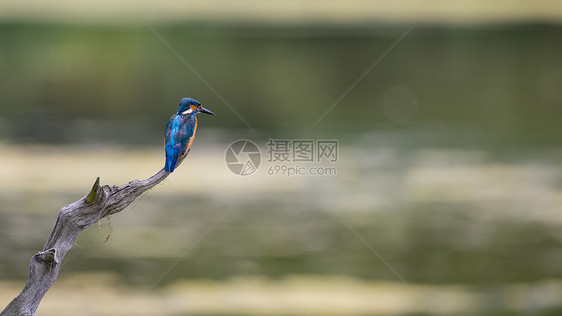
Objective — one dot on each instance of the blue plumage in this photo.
(180, 132)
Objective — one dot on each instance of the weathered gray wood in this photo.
(44, 267)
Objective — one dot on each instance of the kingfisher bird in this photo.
(180, 131)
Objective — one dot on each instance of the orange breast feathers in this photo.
(190, 141)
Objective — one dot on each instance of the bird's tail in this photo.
(170, 165)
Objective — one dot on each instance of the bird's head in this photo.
(189, 106)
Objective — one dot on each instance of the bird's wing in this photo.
(179, 136)
(171, 147)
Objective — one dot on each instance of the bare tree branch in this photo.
(100, 202)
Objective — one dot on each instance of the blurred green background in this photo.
(449, 159)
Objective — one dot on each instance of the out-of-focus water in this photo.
(439, 215)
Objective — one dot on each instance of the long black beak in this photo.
(204, 110)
